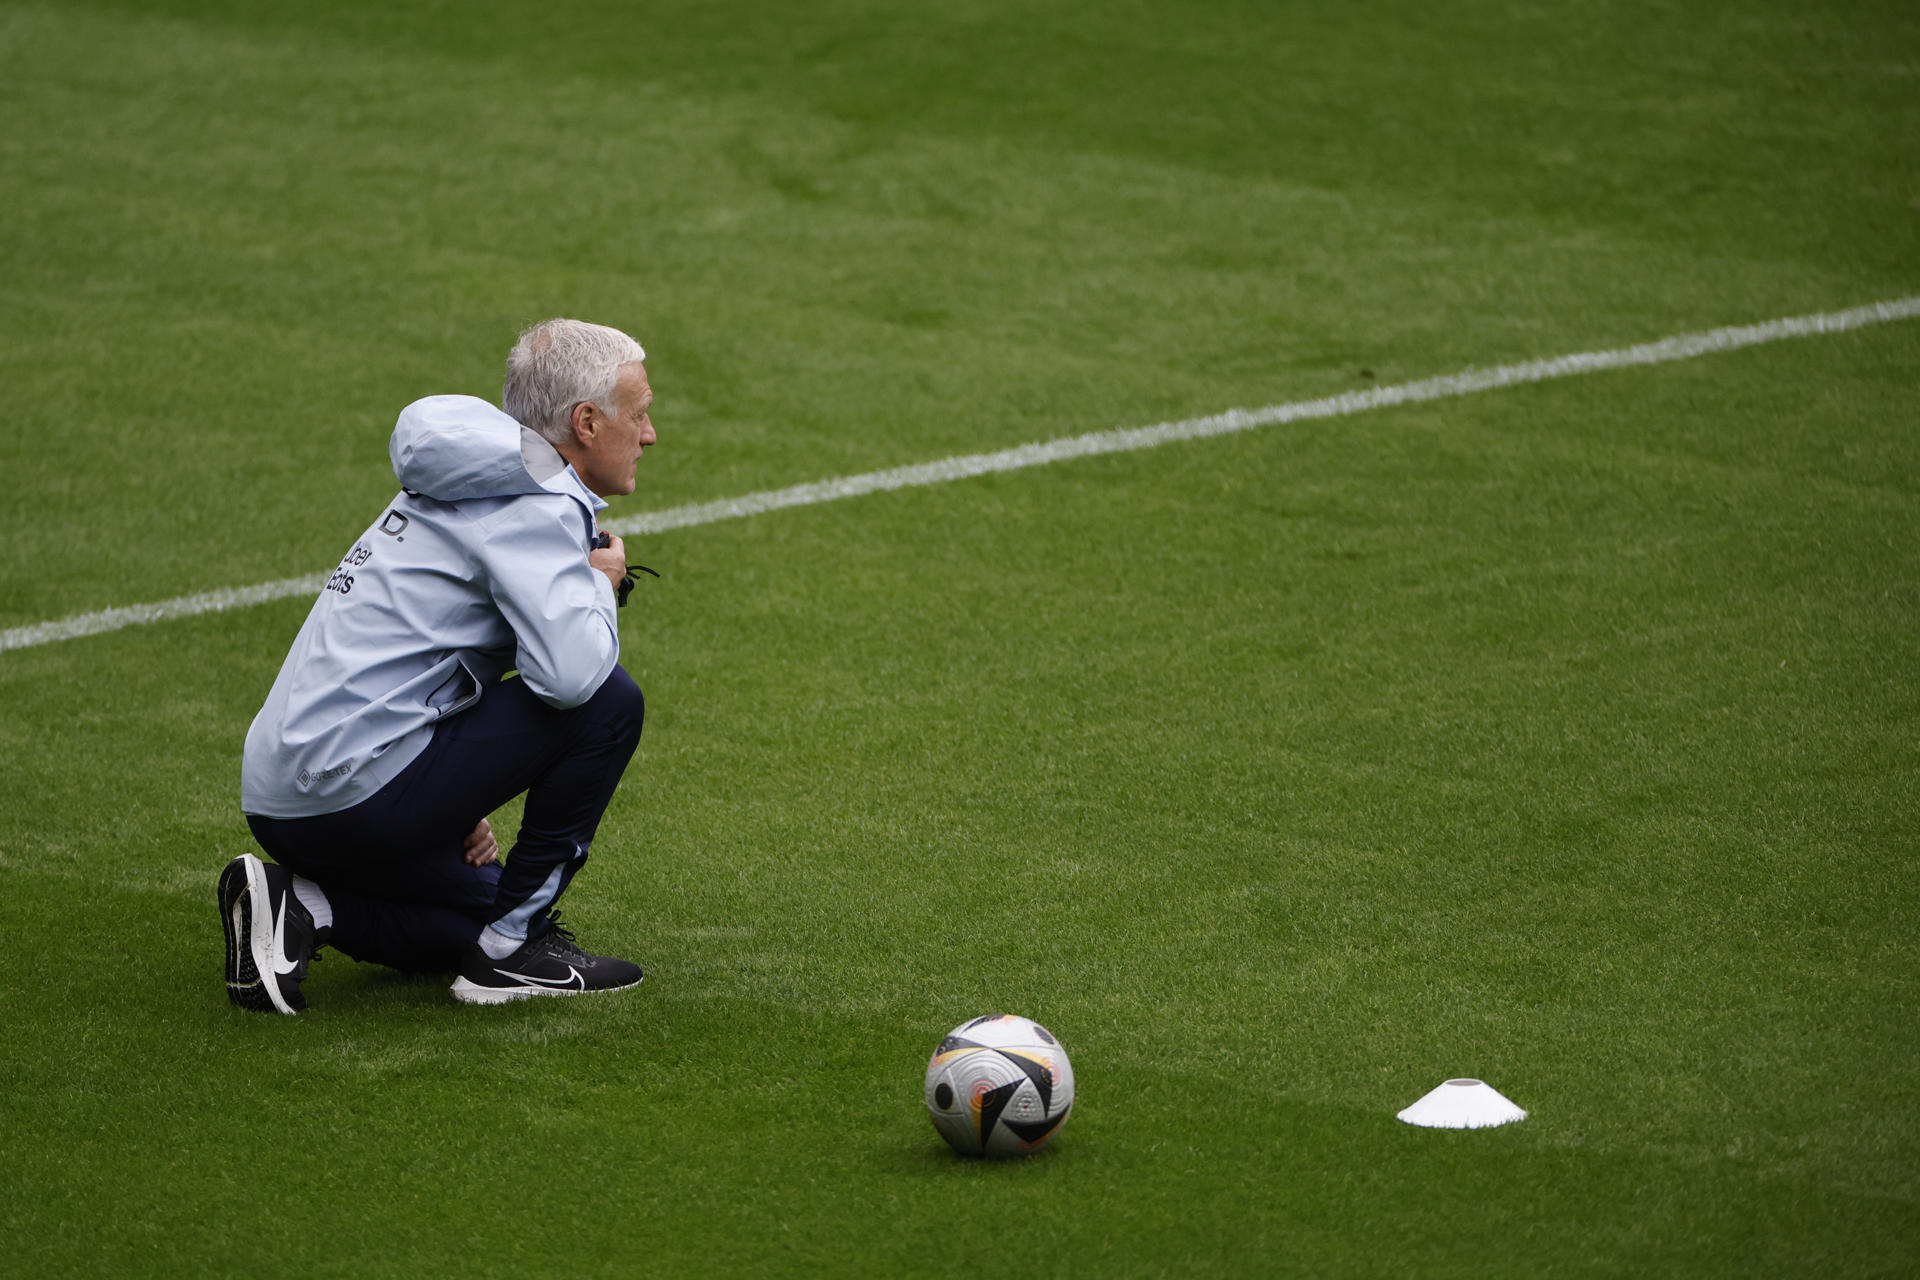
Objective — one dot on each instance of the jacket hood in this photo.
(452, 448)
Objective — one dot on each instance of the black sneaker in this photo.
(547, 964)
(270, 936)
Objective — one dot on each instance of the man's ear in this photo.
(582, 422)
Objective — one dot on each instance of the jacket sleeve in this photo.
(561, 608)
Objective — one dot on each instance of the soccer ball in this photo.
(999, 1086)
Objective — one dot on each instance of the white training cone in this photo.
(1463, 1104)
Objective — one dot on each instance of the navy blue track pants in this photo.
(392, 865)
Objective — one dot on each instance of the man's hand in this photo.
(480, 847)
(610, 559)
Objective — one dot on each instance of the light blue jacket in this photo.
(478, 565)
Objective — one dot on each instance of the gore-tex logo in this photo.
(307, 777)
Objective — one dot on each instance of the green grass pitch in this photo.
(1566, 736)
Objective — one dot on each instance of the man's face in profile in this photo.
(621, 431)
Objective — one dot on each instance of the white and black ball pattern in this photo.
(999, 1086)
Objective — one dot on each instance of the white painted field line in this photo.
(1680, 347)
(132, 615)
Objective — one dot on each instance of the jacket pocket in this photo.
(459, 691)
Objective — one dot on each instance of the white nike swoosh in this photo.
(280, 964)
(529, 980)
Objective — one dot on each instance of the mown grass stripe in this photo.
(1684, 346)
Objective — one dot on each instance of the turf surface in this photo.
(1564, 735)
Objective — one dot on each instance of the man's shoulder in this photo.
(483, 513)
(533, 519)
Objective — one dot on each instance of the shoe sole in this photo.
(468, 992)
(250, 951)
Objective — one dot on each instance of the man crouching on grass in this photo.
(390, 735)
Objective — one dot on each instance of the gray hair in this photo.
(556, 365)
